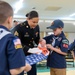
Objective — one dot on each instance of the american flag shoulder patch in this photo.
(17, 43)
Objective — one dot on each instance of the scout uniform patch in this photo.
(59, 39)
(65, 43)
(17, 43)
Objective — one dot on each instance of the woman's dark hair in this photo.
(32, 14)
(27, 14)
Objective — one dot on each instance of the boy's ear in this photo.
(10, 20)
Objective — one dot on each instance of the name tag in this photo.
(26, 35)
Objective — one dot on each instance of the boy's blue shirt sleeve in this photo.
(64, 45)
(72, 45)
(15, 54)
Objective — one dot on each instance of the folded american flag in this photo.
(35, 58)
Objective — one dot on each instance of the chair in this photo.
(69, 57)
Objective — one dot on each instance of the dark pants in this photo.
(33, 71)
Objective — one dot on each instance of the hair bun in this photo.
(32, 14)
(27, 14)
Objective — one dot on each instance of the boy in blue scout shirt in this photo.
(58, 45)
(12, 58)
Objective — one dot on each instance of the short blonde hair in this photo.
(5, 11)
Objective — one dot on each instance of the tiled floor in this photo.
(72, 72)
(45, 71)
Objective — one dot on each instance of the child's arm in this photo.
(56, 49)
(17, 71)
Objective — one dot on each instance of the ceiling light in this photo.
(49, 33)
(18, 6)
(67, 18)
(74, 24)
(48, 21)
(72, 15)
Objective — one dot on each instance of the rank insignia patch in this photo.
(16, 33)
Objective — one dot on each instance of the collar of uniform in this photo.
(1, 26)
(27, 25)
(62, 34)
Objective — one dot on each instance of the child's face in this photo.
(43, 43)
(57, 31)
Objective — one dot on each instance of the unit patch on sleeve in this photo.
(65, 43)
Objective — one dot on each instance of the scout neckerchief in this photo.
(3, 33)
(53, 43)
